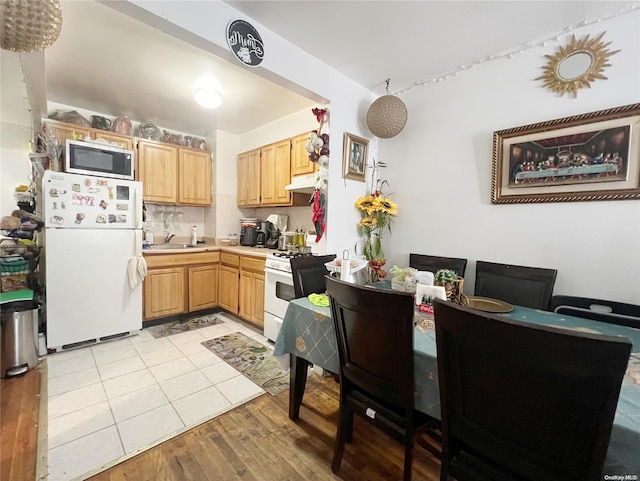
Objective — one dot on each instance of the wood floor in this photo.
(254, 442)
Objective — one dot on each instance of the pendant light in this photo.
(387, 116)
(30, 25)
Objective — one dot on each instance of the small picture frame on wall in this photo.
(593, 156)
(354, 162)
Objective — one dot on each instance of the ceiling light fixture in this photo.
(387, 116)
(30, 25)
(208, 98)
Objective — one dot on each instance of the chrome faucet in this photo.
(168, 238)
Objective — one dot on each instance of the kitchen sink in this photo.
(171, 246)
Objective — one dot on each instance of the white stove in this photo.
(280, 261)
(278, 290)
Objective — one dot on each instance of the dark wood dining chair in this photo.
(597, 310)
(374, 332)
(522, 401)
(520, 285)
(308, 274)
(424, 262)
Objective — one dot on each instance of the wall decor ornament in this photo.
(318, 151)
(30, 25)
(593, 156)
(387, 116)
(576, 65)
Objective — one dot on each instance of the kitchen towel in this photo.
(279, 220)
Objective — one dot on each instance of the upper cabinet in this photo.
(300, 163)
(158, 171)
(249, 178)
(194, 177)
(174, 175)
(64, 131)
(264, 173)
(275, 173)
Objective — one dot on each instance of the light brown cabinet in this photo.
(300, 163)
(263, 175)
(241, 290)
(203, 287)
(228, 282)
(164, 292)
(249, 178)
(194, 177)
(158, 171)
(180, 283)
(64, 131)
(174, 175)
(275, 173)
(251, 305)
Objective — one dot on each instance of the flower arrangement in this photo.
(377, 211)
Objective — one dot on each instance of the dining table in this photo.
(308, 337)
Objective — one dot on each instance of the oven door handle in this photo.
(276, 272)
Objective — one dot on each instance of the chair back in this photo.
(308, 274)
(520, 285)
(597, 310)
(524, 401)
(424, 262)
(374, 332)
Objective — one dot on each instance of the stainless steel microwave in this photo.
(100, 159)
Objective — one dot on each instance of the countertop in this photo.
(242, 250)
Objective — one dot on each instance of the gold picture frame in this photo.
(593, 156)
(354, 160)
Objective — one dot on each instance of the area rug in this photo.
(252, 359)
(184, 325)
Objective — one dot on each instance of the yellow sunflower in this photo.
(386, 205)
(368, 222)
(365, 203)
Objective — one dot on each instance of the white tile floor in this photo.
(115, 398)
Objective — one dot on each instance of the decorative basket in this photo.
(453, 288)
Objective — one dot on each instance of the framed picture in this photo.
(354, 163)
(594, 156)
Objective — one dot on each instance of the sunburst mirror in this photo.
(577, 64)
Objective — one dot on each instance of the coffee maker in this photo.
(273, 234)
(261, 233)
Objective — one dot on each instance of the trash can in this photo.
(18, 338)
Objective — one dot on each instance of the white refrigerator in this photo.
(92, 228)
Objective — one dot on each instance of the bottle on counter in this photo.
(148, 236)
(194, 236)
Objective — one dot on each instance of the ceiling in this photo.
(107, 62)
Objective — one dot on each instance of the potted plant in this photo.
(452, 285)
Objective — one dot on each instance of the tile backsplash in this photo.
(218, 221)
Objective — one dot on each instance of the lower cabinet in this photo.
(164, 292)
(188, 282)
(180, 283)
(229, 287)
(242, 287)
(203, 287)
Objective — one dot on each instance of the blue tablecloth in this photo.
(308, 333)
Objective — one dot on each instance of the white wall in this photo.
(440, 169)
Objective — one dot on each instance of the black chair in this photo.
(521, 285)
(424, 262)
(308, 274)
(524, 402)
(374, 331)
(597, 309)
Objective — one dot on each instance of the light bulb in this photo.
(208, 98)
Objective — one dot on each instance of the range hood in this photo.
(305, 184)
